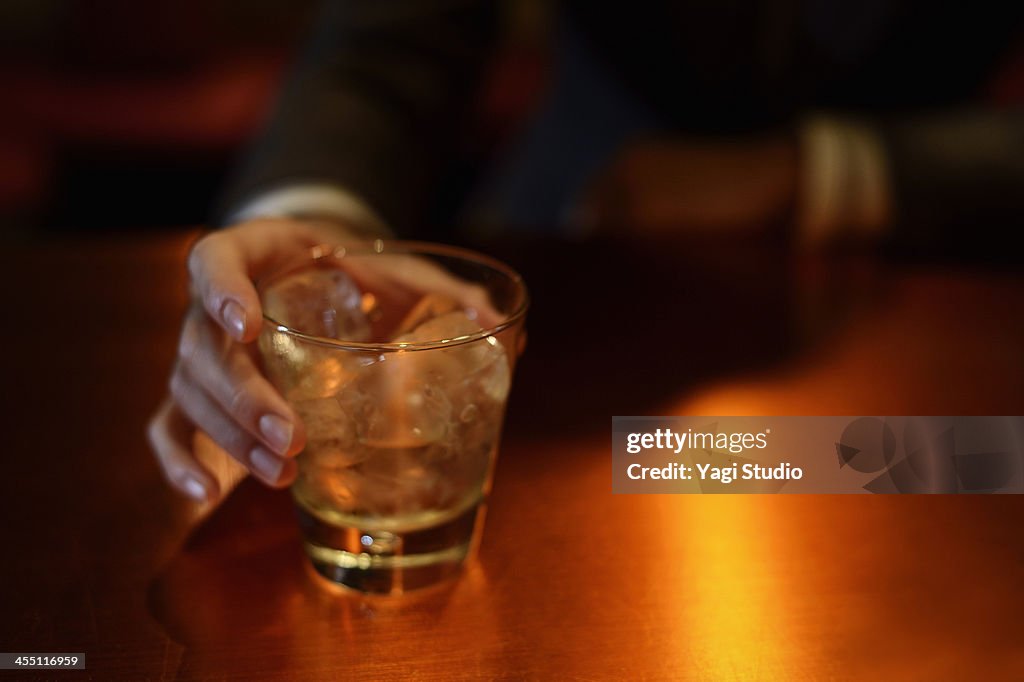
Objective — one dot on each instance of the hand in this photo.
(685, 186)
(216, 384)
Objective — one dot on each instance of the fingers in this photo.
(228, 375)
(200, 409)
(427, 277)
(473, 298)
(215, 385)
(223, 265)
(476, 299)
(220, 276)
(170, 436)
(402, 278)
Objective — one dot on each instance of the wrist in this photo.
(324, 206)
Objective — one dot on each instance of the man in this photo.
(849, 121)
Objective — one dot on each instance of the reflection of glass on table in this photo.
(398, 359)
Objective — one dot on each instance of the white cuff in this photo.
(844, 183)
(313, 200)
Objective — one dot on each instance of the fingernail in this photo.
(194, 489)
(278, 432)
(234, 317)
(265, 463)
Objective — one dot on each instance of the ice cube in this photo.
(318, 301)
(331, 440)
(449, 325)
(401, 481)
(417, 428)
(302, 370)
(395, 404)
(482, 365)
(428, 307)
(333, 489)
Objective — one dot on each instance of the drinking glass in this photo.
(398, 358)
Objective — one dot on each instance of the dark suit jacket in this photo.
(376, 98)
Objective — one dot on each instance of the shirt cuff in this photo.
(845, 191)
(314, 201)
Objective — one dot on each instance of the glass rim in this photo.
(406, 247)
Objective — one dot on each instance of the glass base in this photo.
(392, 561)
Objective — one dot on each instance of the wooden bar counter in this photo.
(571, 583)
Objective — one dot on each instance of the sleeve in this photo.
(313, 201)
(372, 105)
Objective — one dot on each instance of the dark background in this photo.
(123, 116)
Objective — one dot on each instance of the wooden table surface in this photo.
(572, 583)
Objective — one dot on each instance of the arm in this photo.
(372, 105)
(357, 135)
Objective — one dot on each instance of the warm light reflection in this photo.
(735, 399)
(225, 469)
(733, 604)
